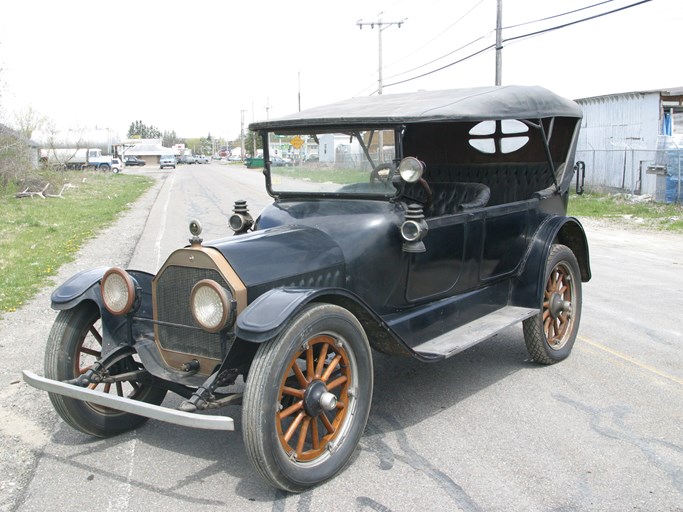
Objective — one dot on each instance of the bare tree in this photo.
(60, 151)
(28, 121)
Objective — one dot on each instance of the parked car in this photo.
(116, 165)
(437, 220)
(201, 159)
(167, 161)
(277, 161)
(131, 160)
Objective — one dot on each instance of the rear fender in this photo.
(563, 230)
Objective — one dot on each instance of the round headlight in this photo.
(210, 304)
(118, 291)
(410, 169)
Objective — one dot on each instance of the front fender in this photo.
(267, 316)
(84, 286)
(77, 288)
(264, 318)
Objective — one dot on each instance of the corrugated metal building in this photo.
(621, 134)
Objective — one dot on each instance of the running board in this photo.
(470, 334)
(157, 412)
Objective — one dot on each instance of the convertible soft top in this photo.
(472, 104)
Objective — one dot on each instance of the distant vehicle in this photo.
(201, 159)
(278, 161)
(167, 161)
(234, 158)
(187, 159)
(76, 158)
(132, 160)
(116, 165)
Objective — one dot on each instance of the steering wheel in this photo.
(378, 175)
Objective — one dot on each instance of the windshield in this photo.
(343, 163)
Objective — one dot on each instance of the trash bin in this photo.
(254, 163)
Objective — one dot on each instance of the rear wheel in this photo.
(74, 344)
(550, 335)
(307, 398)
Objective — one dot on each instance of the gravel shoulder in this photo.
(27, 419)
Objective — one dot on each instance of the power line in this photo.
(481, 37)
(435, 38)
(575, 22)
(558, 15)
(515, 38)
(443, 67)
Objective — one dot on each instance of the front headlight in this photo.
(411, 169)
(212, 305)
(118, 291)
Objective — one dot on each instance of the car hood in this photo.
(290, 255)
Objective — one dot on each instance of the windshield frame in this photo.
(338, 129)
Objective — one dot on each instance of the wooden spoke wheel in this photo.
(317, 386)
(74, 344)
(550, 335)
(307, 398)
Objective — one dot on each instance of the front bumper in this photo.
(157, 412)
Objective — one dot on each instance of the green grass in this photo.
(624, 210)
(38, 235)
(322, 174)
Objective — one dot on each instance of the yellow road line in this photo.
(632, 360)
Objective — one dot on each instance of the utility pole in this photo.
(242, 134)
(381, 25)
(499, 43)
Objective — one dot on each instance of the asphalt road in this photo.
(483, 431)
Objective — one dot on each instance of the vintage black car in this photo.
(429, 222)
(133, 161)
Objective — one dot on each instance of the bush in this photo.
(16, 163)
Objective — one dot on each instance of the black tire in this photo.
(290, 439)
(550, 335)
(104, 168)
(73, 345)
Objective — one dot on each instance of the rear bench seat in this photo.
(452, 197)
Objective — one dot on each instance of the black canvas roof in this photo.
(473, 104)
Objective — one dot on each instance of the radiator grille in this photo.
(173, 288)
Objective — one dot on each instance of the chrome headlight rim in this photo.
(224, 298)
(412, 231)
(411, 169)
(117, 281)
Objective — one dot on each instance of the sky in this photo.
(202, 67)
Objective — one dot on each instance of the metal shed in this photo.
(625, 134)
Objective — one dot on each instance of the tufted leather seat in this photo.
(450, 198)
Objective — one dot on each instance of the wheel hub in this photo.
(317, 399)
(558, 305)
